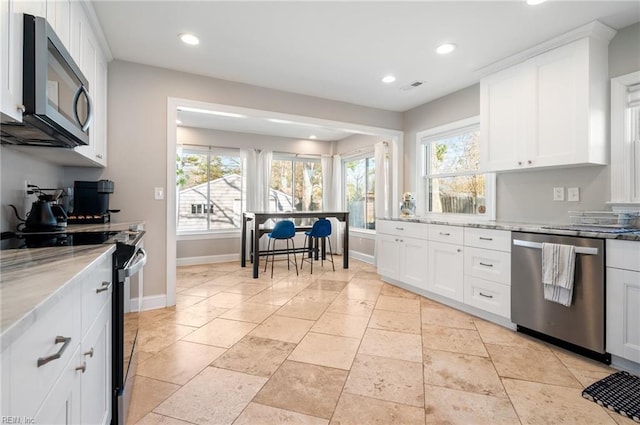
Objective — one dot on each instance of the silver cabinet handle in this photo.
(105, 287)
(99, 156)
(21, 108)
(538, 245)
(445, 234)
(89, 353)
(485, 264)
(83, 368)
(485, 239)
(59, 340)
(399, 228)
(484, 295)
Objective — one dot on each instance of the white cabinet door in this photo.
(503, 120)
(96, 378)
(62, 406)
(413, 262)
(561, 127)
(623, 313)
(59, 17)
(388, 255)
(446, 270)
(10, 60)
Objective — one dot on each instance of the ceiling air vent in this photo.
(413, 85)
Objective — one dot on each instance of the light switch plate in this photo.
(158, 193)
(558, 193)
(573, 194)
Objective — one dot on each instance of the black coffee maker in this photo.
(91, 202)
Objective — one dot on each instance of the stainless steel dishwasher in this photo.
(579, 327)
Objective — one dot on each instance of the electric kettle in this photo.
(41, 218)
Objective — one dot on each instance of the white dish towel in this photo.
(558, 269)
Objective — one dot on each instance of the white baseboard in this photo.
(365, 258)
(207, 259)
(149, 303)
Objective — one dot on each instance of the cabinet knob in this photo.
(519, 162)
(89, 353)
(529, 162)
(21, 108)
(105, 287)
(459, 250)
(99, 156)
(83, 368)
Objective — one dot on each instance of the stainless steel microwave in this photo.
(57, 106)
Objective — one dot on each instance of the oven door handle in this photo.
(136, 264)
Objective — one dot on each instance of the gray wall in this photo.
(16, 168)
(527, 196)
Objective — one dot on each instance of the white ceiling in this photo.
(340, 50)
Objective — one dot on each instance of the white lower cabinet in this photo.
(446, 270)
(402, 258)
(59, 370)
(623, 299)
(465, 264)
(96, 373)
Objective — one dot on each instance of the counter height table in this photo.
(259, 218)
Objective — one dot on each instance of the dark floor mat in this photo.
(619, 392)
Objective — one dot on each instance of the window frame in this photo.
(423, 150)
(210, 151)
(368, 153)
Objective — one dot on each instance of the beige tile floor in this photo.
(344, 348)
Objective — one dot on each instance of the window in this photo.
(359, 180)
(625, 141)
(209, 190)
(451, 183)
(296, 184)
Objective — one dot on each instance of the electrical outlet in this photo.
(558, 193)
(573, 194)
(26, 188)
(158, 193)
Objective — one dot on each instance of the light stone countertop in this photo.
(519, 227)
(33, 280)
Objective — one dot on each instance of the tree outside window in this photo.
(360, 192)
(300, 180)
(209, 191)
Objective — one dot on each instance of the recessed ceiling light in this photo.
(313, 136)
(445, 48)
(278, 121)
(388, 79)
(535, 2)
(189, 39)
(209, 112)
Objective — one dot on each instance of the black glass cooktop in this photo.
(41, 240)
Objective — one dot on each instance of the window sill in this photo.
(362, 233)
(226, 234)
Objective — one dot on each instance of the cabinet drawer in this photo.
(403, 228)
(623, 255)
(447, 234)
(30, 383)
(488, 264)
(488, 296)
(499, 240)
(96, 289)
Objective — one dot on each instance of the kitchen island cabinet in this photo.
(56, 334)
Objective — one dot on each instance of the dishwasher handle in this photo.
(538, 245)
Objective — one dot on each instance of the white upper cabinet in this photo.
(72, 23)
(548, 110)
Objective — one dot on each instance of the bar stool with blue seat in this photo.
(320, 232)
(283, 230)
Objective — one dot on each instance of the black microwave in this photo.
(57, 106)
